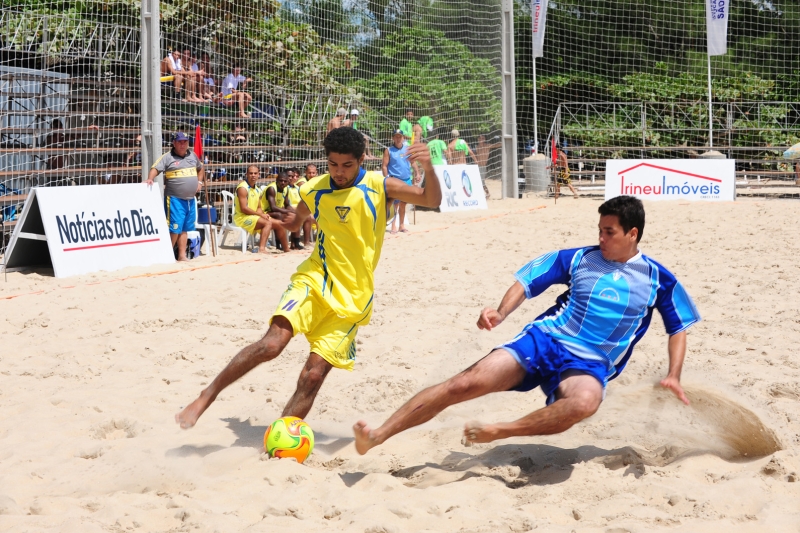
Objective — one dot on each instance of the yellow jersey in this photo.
(293, 193)
(253, 195)
(280, 197)
(352, 223)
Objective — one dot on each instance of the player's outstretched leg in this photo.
(498, 371)
(311, 378)
(578, 397)
(269, 347)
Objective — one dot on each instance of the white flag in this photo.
(717, 12)
(538, 17)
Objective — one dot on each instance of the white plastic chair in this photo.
(228, 200)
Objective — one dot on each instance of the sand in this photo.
(93, 368)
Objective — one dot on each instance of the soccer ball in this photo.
(289, 437)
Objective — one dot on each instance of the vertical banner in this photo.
(538, 17)
(717, 12)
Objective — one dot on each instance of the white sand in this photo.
(92, 371)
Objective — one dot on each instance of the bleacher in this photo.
(98, 141)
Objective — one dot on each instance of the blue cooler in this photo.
(203, 213)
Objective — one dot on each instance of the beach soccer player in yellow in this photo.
(331, 294)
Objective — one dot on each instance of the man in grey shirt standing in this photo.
(183, 179)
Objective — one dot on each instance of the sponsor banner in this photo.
(104, 227)
(461, 187)
(672, 179)
(538, 18)
(717, 26)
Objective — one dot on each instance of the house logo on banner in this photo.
(455, 198)
(683, 179)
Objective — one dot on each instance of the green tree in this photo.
(434, 76)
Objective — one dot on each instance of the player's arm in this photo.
(491, 318)
(201, 178)
(385, 163)
(472, 154)
(302, 214)
(151, 176)
(273, 207)
(430, 195)
(677, 352)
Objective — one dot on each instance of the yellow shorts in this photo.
(331, 337)
(247, 222)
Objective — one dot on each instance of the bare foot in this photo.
(263, 251)
(181, 259)
(364, 438)
(188, 417)
(475, 432)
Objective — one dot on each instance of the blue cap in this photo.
(180, 136)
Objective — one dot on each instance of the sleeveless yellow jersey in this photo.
(293, 193)
(351, 225)
(280, 197)
(252, 202)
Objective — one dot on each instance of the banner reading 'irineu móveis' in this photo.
(538, 19)
(673, 179)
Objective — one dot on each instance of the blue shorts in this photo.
(545, 359)
(181, 214)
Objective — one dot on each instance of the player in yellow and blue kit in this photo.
(331, 294)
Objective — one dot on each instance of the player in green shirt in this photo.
(406, 124)
(426, 123)
(437, 148)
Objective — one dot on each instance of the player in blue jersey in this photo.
(574, 348)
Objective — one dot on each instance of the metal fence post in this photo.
(510, 164)
(151, 87)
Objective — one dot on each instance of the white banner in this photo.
(103, 227)
(538, 18)
(461, 187)
(717, 12)
(672, 179)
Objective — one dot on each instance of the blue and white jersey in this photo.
(608, 306)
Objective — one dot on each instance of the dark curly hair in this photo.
(345, 140)
(628, 210)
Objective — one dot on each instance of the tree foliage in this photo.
(434, 76)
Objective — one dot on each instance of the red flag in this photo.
(554, 152)
(198, 143)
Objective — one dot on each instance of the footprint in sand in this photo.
(115, 429)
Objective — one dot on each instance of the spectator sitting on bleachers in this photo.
(171, 66)
(199, 79)
(273, 202)
(293, 195)
(209, 83)
(57, 139)
(239, 135)
(231, 95)
(247, 213)
(191, 78)
(339, 120)
(134, 158)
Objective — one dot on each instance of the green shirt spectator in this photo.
(427, 124)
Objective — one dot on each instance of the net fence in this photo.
(628, 79)
(264, 80)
